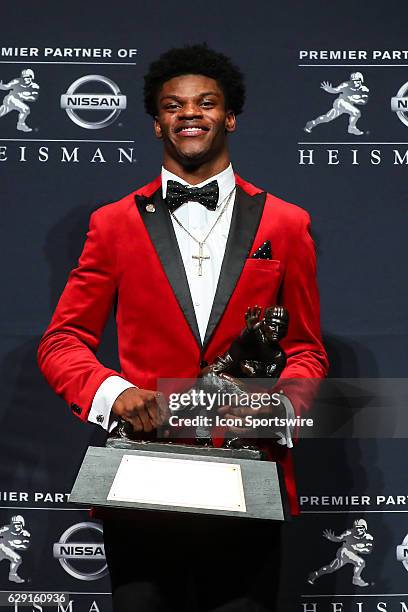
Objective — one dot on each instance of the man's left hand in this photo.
(239, 415)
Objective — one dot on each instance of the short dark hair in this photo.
(195, 59)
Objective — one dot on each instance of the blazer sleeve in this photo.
(306, 356)
(66, 353)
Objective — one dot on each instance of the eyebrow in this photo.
(200, 95)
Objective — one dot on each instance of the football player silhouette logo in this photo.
(354, 543)
(351, 92)
(22, 90)
(14, 538)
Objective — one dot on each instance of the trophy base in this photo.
(170, 477)
(170, 447)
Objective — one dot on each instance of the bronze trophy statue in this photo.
(255, 353)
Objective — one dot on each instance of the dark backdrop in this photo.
(359, 224)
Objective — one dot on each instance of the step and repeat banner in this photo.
(326, 127)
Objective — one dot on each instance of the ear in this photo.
(230, 121)
(157, 128)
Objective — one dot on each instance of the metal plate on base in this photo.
(213, 485)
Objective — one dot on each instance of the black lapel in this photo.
(244, 225)
(163, 237)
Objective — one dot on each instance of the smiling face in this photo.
(193, 123)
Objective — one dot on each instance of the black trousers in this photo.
(174, 562)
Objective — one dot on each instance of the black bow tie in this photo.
(178, 194)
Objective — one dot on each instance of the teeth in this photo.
(191, 129)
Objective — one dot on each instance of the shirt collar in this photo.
(225, 179)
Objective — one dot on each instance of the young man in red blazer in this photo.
(175, 257)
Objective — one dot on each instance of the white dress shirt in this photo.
(198, 220)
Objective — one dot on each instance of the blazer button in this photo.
(75, 408)
(203, 364)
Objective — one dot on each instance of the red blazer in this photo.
(131, 258)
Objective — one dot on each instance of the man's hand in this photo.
(238, 415)
(144, 410)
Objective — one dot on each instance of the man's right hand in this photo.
(144, 410)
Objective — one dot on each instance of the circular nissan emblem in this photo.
(67, 550)
(399, 104)
(402, 551)
(112, 102)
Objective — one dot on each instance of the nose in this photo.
(190, 110)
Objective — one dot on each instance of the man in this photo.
(182, 277)
(351, 92)
(22, 90)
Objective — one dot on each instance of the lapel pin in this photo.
(150, 208)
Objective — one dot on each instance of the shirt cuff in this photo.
(285, 437)
(104, 399)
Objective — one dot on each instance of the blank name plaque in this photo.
(179, 482)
